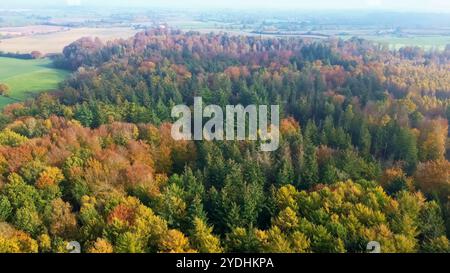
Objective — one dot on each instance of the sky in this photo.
(394, 5)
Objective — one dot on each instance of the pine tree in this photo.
(310, 170)
(364, 140)
(406, 147)
(285, 169)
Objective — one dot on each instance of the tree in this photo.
(406, 148)
(240, 202)
(433, 140)
(286, 220)
(274, 241)
(323, 241)
(364, 139)
(5, 209)
(84, 114)
(437, 245)
(285, 173)
(174, 242)
(61, 220)
(310, 169)
(287, 197)
(27, 219)
(431, 223)
(4, 90)
(19, 194)
(242, 240)
(434, 177)
(128, 242)
(202, 238)
(15, 241)
(50, 176)
(10, 138)
(36, 54)
(394, 180)
(45, 243)
(299, 242)
(172, 206)
(101, 246)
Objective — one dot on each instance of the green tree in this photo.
(27, 219)
(310, 169)
(406, 149)
(431, 222)
(5, 209)
(84, 114)
(242, 240)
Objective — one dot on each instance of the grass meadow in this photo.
(28, 77)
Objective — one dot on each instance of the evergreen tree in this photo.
(309, 175)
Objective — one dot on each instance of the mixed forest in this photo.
(363, 152)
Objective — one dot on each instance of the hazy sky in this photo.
(397, 5)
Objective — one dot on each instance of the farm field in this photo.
(28, 77)
(12, 32)
(426, 42)
(56, 41)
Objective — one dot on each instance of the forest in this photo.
(363, 153)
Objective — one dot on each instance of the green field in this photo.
(28, 77)
(426, 42)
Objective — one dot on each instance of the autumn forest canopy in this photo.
(363, 152)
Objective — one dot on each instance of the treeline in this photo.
(362, 157)
(23, 56)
